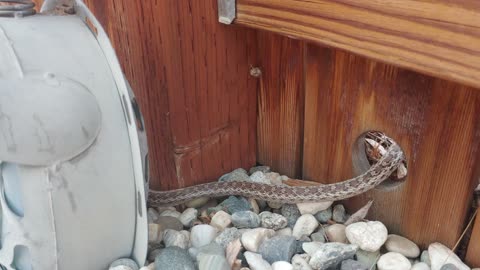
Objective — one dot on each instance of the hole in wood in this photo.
(368, 149)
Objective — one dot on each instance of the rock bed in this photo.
(242, 233)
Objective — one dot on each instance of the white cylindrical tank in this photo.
(72, 157)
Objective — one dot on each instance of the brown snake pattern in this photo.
(377, 173)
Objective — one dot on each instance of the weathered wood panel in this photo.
(440, 38)
(473, 252)
(191, 77)
(436, 122)
(280, 103)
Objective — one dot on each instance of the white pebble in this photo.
(420, 266)
(300, 262)
(281, 265)
(254, 204)
(402, 245)
(175, 238)
(149, 267)
(252, 239)
(311, 247)
(259, 177)
(155, 233)
(170, 213)
(440, 255)
(285, 231)
(336, 233)
(256, 262)
(121, 267)
(313, 207)
(393, 261)
(369, 236)
(202, 235)
(305, 225)
(221, 220)
(188, 216)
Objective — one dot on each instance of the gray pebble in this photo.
(324, 216)
(263, 169)
(125, 262)
(449, 266)
(425, 257)
(167, 222)
(299, 243)
(278, 248)
(227, 236)
(213, 262)
(352, 265)
(211, 249)
(245, 219)
(339, 214)
(330, 255)
(272, 221)
(291, 213)
(174, 258)
(318, 237)
(232, 205)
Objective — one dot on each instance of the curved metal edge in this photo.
(139, 252)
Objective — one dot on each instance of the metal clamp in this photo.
(227, 10)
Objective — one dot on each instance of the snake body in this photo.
(377, 173)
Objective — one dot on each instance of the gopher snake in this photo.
(377, 173)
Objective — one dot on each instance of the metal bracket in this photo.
(227, 10)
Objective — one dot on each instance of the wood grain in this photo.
(191, 77)
(436, 122)
(440, 38)
(281, 99)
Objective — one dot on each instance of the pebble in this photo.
(210, 249)
(305, 225)
(278, 248)
(232, 205)
(155, 233)
(402, 245)
(235, 175)
(128, 264)
(393, 261)
(274, 178)
(324, 216)
(152, 254)
(368, 258)
(369, 236)
(174, 258)
(352, 265)
(272, 221)
(318, 237)
(210, 262)
(152, 215)
(291, 212)
(188, 216)
(175, 238)
(300, 262)
(311, 247)
(282, 266)
(171, 213)
(221, 220)
(425, 257)
(440, 255)
(336, 233)
(149, 267)
(168, 222)
(275, 205)
(245, 219)
(420, 266)
(263, 169)
(197, 203)
(285, 231)
(254, 205)
(259, 177)
(256, 262)
(448, 266)
(313, 207)
(330, 255)
(252, 239)
(339, 214)
(161, 209)
(202, 235)
(227, 236)
(300, 242)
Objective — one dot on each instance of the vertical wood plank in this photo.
(281, 101)
(436, 122)
(191, 77)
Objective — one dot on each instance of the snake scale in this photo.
(377, 173)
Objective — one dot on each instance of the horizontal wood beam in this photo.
(439, 38)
